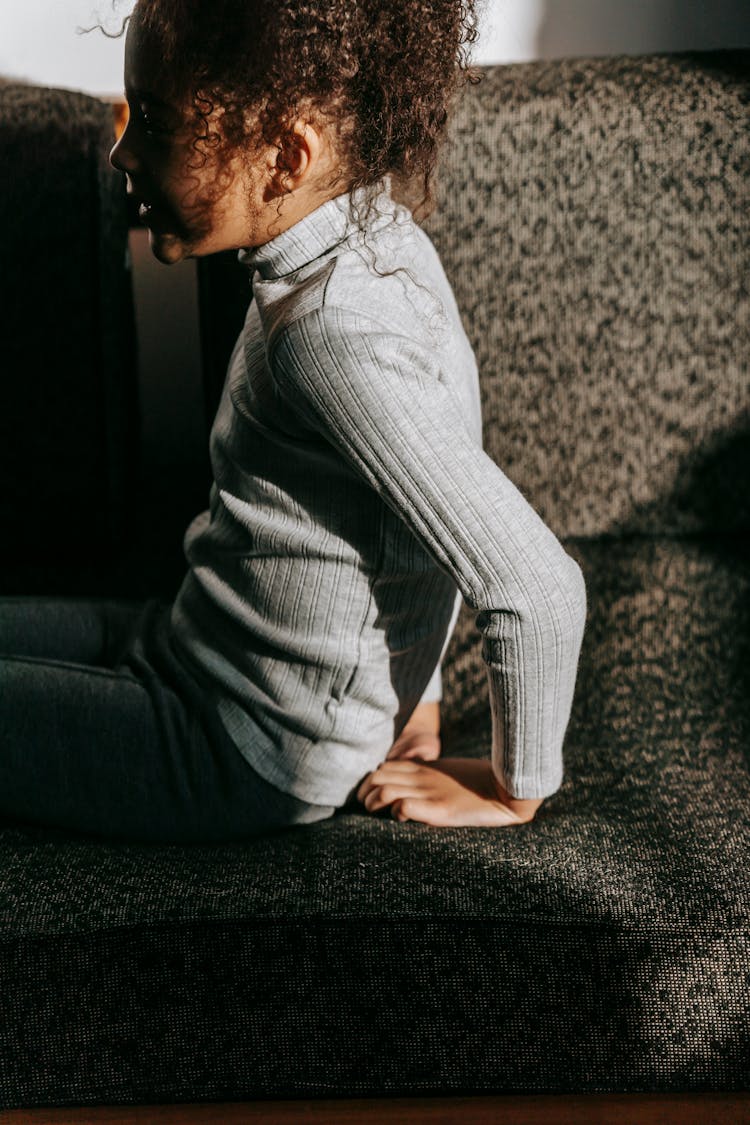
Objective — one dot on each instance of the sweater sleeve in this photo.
(378, 397)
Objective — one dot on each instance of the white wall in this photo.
(39, 42)
(632, 27)
(38, 39)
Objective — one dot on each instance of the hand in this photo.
(420, 738)
(452, 792)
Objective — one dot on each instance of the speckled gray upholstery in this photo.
(594, 221)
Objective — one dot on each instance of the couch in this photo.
(593, 217)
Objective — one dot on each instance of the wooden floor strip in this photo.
(568, 1109)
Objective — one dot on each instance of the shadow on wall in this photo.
(581, 28)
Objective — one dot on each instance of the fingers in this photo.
(429, 792)
(402, 778)
(416, 808)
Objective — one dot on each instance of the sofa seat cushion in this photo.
(603, 947)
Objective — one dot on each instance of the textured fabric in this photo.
(351, 499)
(609, 308)
(98, 736)
(605, 946)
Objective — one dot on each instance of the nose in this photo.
(116, 157)
(122, 157)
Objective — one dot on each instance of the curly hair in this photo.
(383, 73)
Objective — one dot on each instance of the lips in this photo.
(152, 216)
(155, 217)
(142, 207)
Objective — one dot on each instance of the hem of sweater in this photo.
(526, 789)
(301, 766)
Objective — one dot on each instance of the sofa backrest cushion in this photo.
(68, 393)
(594, 219)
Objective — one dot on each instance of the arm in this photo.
(433, 693)
(379, 399)
(420, 738)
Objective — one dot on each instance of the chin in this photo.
(167, 249)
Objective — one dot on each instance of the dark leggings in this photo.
(97, 736)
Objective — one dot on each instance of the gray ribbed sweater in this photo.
(352, 509)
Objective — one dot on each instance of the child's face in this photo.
(155, 152)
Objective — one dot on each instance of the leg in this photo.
(84, 630)
(117, 753)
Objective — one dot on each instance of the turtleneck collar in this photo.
(316, 234)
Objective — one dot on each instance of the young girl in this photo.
(353, 508)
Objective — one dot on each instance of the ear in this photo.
(299, 151)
